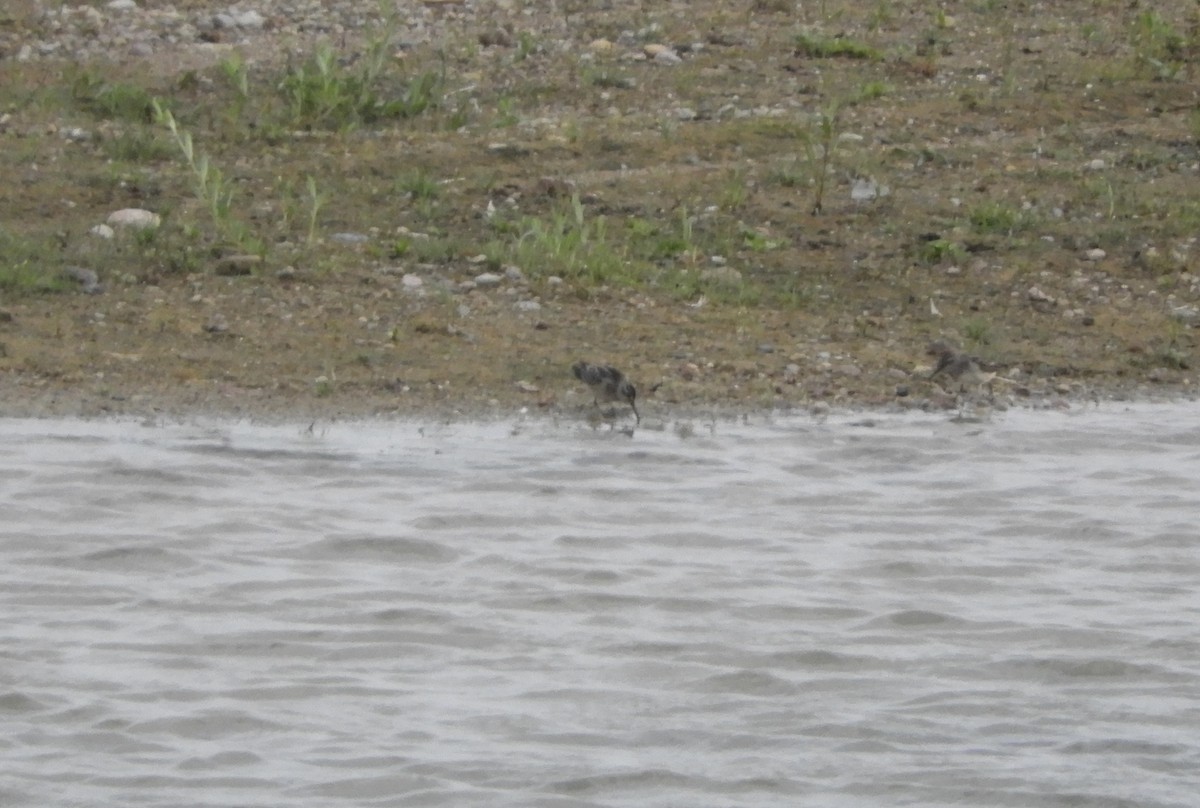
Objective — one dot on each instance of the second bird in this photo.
(607, 384)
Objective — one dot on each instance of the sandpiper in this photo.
(958, 366)
(607, 384)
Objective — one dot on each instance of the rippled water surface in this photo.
(860, 612)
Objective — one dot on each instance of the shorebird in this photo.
(607, 384)
(958, 366)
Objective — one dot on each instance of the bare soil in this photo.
(1036, 176)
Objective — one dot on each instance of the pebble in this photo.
(411, 281)
(1188, 315)
(121, 5)
(528, 305)
(485, 279)
(1095, 254)
(134, 219)
(350, 238)
(89, 281)
(102, 231)
(724, 275)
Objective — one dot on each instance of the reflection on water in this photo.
(894, 611)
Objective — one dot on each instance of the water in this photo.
(893, 611)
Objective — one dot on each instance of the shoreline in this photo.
(67, 403)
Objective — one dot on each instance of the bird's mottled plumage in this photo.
(961, 367)
(607, 384)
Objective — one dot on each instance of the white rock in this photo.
(248, 19)
(487, 279)
(1096, 165)
(411, 281)
(134, 218)
(529, 305)
(121, 5)
(102, 231)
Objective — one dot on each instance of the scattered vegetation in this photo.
(638, 183)
(818, 46)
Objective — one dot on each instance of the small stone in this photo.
(350, 238)
(217, 324)
(723, 275)
(526, 387)
(766, 348)
(852, 371)
(1188, 315)
(485, 279)
(514, 274)
(134, 219)
(1096, 165)
(600, 45)
(89, 281)
(686, 114)
(901, 390)
(667, 57)
(1095, 254)
(528, 305)
(411, 281)
(102, 231)
(121, 5)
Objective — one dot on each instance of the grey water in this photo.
(862, 611)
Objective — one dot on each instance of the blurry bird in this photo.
(607, 384)
(961, 367)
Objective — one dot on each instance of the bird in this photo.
(959, 366)
(607, 384)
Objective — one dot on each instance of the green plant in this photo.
(571, 245)
(320, 93)
(819, 143)
(1157, 45)
(109, 101)
(315, 202)
(527, 45)
(506, 115)
(977, 331)
(210, 185)
(940, 250)
(28, 267)
(997, 218)
(818, 46)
